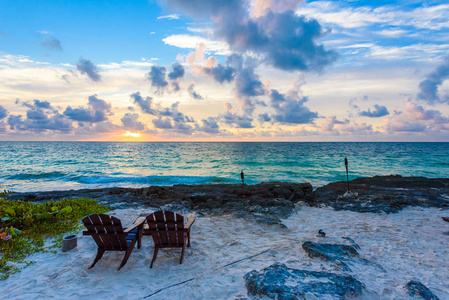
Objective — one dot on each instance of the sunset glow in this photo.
(290, 71)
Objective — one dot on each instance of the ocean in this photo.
(44, 166)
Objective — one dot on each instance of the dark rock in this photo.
(329, 251)
(388, 194)
(279, 282)
(282, 193)
(268, 220)
(416, 288)
(333, 252)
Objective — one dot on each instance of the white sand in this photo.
(408, 245)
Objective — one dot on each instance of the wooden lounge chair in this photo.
(168, 231)
(108, 233)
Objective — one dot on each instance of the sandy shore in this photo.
(408, 245)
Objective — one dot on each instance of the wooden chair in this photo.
(108, 233)
(168, 231)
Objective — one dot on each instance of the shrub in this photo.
(29, 224)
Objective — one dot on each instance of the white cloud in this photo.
(169, 17)
(192, 42)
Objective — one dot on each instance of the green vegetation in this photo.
(24, 226)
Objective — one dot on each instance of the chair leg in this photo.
(125, 259)
(182, 253)
(139, 236)
(100, 253)
(156, 249)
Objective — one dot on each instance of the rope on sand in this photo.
(193, 278)
(168, 287)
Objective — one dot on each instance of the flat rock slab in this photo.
(416, 288)
(333, 252)
(388, 194)
(329, 251)
(280, 282)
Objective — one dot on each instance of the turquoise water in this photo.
(41, 166)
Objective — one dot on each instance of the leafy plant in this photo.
(29, 224)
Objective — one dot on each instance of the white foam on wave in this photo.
(408, 245)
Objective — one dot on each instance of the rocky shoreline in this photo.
(269, 202)
(341, 259)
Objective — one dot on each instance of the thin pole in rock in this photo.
(243, 185)
(347, 173)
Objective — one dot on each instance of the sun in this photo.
(132, 134)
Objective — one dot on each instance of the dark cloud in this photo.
(239, 121)
(248, 83)
(130, 122)
(290, 108)
(47, 122)
(98, 111)
(88, 68)
(210, 125)
(193, 93)
(221, 73)
(144, 104)
(177, 71)
(378, 111)
(284, 39)
(51, 43)
(3, 112)
(157, 77)
(264, 118)
(175, 114)
(429, 86)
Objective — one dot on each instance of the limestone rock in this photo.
(280, 282)
(416, 288)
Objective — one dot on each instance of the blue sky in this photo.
(214, 70)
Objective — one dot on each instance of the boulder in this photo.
(280, 282)
(416, 288)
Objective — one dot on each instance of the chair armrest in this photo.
(137, 223)
(190, 220)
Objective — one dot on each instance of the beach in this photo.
(393, 248)
(408, 246)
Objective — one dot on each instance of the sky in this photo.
(213, 70)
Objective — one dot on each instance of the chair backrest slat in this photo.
(165, 228)
(107, 231)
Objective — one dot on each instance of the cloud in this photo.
(264, 118)
(130, 122)
(290, 109)
(210, 125)
(177, 71)
(239, 121)
(330, 123)
(429, 86)
(3, 112)
(40, 117)
(157, 77)
(144, 104)
(88, 68)
(378, 111)
(169, 17)
(51, 43)
(168, 117)
(193, 93)
(221, 73)
(98, 111)
(416, 118)
(284, 39)
(192, 42)
(162, 123)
